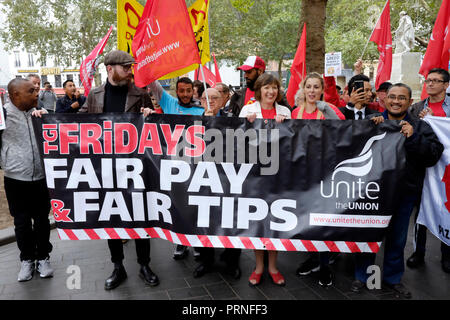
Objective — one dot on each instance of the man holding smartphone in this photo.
(360, 91)
(48, 97)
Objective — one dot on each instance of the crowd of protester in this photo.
(262, 98)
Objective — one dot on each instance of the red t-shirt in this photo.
(269, 114)
(249, 97)
(438, 111)
(306, 115)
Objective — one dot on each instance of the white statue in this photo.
(404, 35)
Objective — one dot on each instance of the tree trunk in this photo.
(314, 14)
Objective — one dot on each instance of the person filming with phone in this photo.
(360, 91)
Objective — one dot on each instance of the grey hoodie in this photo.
(19, 155)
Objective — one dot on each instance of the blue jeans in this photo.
(394, 245)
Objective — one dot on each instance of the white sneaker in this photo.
(44, 268)
(26, 270)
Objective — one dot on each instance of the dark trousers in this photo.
(142, 250)
(29, 204)
(229, 256)
(394, 245)
(420, 241)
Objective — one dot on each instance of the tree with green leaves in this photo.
(60, 29)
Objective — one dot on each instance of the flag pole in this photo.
(204, 85)
(364, 51)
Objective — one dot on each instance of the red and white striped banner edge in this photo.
(220, 241)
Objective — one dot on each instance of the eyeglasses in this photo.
(399, 98)
(210, 98)
(127, 67)
(434, 81)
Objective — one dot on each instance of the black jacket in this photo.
(423, 149)
(350, 114)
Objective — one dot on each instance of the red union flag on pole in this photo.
(437, 55)
(89, 65)
(298, 69)
(382, 36)
(210, 78)
(218, 78)
(164, 41)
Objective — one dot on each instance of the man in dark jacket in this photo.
(120, 95)
(253, 67)
(72, 100)
(422, 149)
(357, 107)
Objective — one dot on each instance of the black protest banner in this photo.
(303, 185)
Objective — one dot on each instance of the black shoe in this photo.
(117, 277)
(446, 265)
(234, 272)
(310, 265)
(325, 278)
(201, 270)
(148, 276)
(415, 261)
(180, 252)
(399, 289)
(357, 286)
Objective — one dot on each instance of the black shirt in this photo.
(115, 98)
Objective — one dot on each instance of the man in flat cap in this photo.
(120, 94)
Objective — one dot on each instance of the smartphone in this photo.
(358, 84)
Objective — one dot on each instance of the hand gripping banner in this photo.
(302, 185)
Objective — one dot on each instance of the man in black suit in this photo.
(357, 107)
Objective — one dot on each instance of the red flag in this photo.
(383, 38)
(164, 41)
(218, 78)
(89, 65)
(210, 78)
(298, 69)
(437, 55)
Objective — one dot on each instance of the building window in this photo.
(58, 83)
(69, 77)
(17, 59)
(30, 60)
(44, 79)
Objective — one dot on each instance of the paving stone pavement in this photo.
(177, 283)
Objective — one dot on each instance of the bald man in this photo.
(25, 180)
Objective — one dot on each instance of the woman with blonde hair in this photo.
(309, 100)
(267, 95)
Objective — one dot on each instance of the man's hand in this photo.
(251, 117)
(75, 105)
(358, 66)
(407, 129)
(147, 111)
(425, 113)
(39, 113)
(357, 96)
(377, 120)
(209, 113)
(77, 94)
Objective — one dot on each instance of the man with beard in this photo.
(120, 95)
(183, 104)
(253, 67)
(72, 100)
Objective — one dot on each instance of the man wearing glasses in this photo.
(423, 149)
(437, 104)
